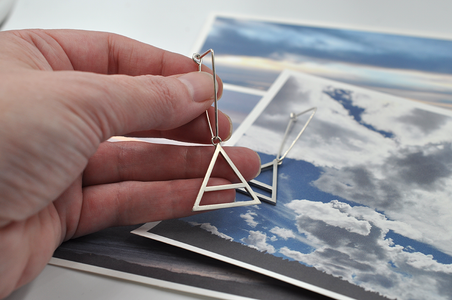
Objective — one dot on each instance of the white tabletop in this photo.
(175, 25)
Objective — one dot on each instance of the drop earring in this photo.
(216, 141)
(272, 189)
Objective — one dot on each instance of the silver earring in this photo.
(272, 189)
(216, 141)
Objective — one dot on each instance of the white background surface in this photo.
(175, 25)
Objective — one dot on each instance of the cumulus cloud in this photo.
(258, 240)
(249, 218)
(212, 229)
(372, 260)
(411, 185)
(333, 217)
(282, 232)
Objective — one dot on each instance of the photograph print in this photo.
(363, 199)
(253, 52)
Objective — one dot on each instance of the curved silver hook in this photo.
(293, 119)
(197, 58)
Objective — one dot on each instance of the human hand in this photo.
(62, 95)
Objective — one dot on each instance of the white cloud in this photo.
(296, 255)
(212, 229)
(258, 240)
(425, 262)
(371, 261)
(283, 232)
(249, 218)
(283, 176)
(330, 215)
(356, 219)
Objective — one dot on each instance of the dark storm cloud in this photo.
(358, 184)
(423, 168)
(414, 168)
(443, 281)
(364, 247)
(424, 120)
(370, 190)
(339, 260)
(378, 279)
(264, 39)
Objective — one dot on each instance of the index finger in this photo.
(108, 53)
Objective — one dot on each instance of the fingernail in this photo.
(230, 127)
(260, 163)
(220, 94)
(199, 85)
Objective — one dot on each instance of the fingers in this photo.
(118, 105)
(138, 161)
(104, 53)
(196, 131)
(139, 202)
(107, 53)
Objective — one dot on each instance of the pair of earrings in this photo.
(243, 186)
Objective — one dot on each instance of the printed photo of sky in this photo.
(365, 194)
(252, 53)
(237, 105)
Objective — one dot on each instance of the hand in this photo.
(62, 95)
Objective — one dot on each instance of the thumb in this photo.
(121, 104)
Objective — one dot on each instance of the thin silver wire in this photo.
(197, 58)
(293, 119)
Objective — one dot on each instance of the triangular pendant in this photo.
(204, 188)
(271, 189)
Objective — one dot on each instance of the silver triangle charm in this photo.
(273, 188)
(204, 188)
